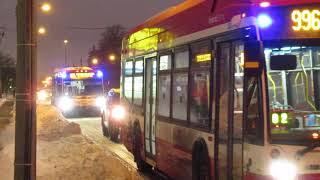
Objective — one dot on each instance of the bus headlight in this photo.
(118, 112)
(283, 170)
(100, 102)
(65, 103)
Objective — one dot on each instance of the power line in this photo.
(86, 28)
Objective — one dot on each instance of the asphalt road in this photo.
(91, 128)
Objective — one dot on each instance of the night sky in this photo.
(77, 13)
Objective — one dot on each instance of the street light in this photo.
(95, 61)
(46, 7)
(112, 57)
(42, 31)
(65, 42)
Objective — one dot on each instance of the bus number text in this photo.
(305, 20)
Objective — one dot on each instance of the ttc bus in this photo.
(225, 89)
(78, 90)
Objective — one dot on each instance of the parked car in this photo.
(112, 115)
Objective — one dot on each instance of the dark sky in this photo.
(80, 13)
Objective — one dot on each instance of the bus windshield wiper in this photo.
(309, 148)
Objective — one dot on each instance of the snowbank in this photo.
(63, 153)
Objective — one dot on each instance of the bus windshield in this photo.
(83, 88)
(294, 98)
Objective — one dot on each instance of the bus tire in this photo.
(105, 131)
(136, 146)
(200, 160)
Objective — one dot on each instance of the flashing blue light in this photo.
(99, 74)
(63, 75)
(264, 21)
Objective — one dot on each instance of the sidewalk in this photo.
(63, 153)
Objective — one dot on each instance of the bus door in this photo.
(229, 146)
(150, 100)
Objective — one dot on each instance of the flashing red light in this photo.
(264, 4)
(315, 135)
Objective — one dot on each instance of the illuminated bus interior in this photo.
(294, 94)
(83, 87)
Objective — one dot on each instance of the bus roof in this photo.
(166, 14)
(185, 12)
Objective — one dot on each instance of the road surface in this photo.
(91, 128)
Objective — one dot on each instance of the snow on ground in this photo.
(63, 153)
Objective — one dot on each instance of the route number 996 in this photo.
(305, 20)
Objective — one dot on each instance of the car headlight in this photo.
(118, 112)
(42, 95)
(101, 102)
(65, 103)
(283, 170)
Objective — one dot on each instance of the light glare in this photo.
(112, 57)
(42, 30)
(99, 74)
(46, 7)
(264, 21)
(42, 95)
(65, 103)
(100, 102)
(118, 112)
(283, 170)
(94, 61)
(264, 4)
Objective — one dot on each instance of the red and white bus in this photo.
(225, 89)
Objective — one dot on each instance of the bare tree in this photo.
(7, 70)
(109, 44)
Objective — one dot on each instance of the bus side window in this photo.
(138, 82)
(164, 88)
(180, 84)
(128, 71)
(200, 83)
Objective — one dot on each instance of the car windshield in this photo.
(294, 94)
(83, 88)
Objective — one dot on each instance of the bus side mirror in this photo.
(283, 62)
(253, 54)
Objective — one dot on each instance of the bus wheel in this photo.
(104, 128)
(136, 146)
(200, 161)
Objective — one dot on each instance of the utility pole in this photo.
(25, 137)
(2, 33)
(65, 56)
(65, 52)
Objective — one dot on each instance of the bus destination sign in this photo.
(84, 75)
(292, 22)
